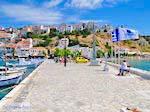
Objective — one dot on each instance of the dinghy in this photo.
(10, 79)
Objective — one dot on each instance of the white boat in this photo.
(11, 70)
(23, 63)
(10, 79)
(13, 67)
(6, 70)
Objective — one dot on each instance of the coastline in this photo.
(7, 99)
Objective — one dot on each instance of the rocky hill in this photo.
(103, 39)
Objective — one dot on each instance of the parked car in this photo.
(81, 60)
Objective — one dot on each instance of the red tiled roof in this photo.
(39, 48)
(10, 45)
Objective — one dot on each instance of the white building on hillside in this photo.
(23, 48)
(7, 37)
(38, 51)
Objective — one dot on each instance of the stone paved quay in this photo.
(81, 88)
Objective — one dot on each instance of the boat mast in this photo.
(5, 59)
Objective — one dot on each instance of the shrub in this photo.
(73, 42)
(83, 45)
(100, 53)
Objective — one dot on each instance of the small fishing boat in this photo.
(12, 79)
(23, 63)
(13, 67)
(6, 70)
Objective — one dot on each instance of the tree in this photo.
(45, 43)
(73, 42)
(52, 30)
(127, 41)
(29, 34)
(76, 54)
(61, 52)
(53, 33)
(44, 53)
(44, 37)
(100, 53)
(60, 36)
(105, 30)
(83, 45)
(34, 36)
(85, 33)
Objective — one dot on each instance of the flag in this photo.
(124, 34)
(114, 35)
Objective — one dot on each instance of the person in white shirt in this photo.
(123, 68)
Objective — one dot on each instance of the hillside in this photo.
(103, 40)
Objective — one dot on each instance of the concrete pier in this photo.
(78, 88)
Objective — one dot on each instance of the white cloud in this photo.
(91, 4)
(113, 2)
(96, 21)
(52, 3)
(31, 14)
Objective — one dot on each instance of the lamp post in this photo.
(65, 55)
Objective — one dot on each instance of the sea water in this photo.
(140, 64)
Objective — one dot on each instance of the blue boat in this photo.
(10, 80)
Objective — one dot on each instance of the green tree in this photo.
(73, 42)
(44, 37)
(45, 43)
(29, 34)
(34, 36)
(60, 36)
(83, 45)
(44, 53)
(105, 30)
(61, 52)
(127, 41)
(100, 53)
(52, 30)
(85, 33)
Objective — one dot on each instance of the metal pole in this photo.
(5, 59)
(112, 53)
(65, 60)
(115, 56)
(119, 53)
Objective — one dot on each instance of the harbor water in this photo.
(5, 90)
(140, 64)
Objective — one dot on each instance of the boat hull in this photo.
(10, 81)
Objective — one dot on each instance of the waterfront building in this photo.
(38, 51)
(7, 37)
(23, 48)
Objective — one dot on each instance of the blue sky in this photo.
(130, 13)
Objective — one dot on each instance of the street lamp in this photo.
(65, 54)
